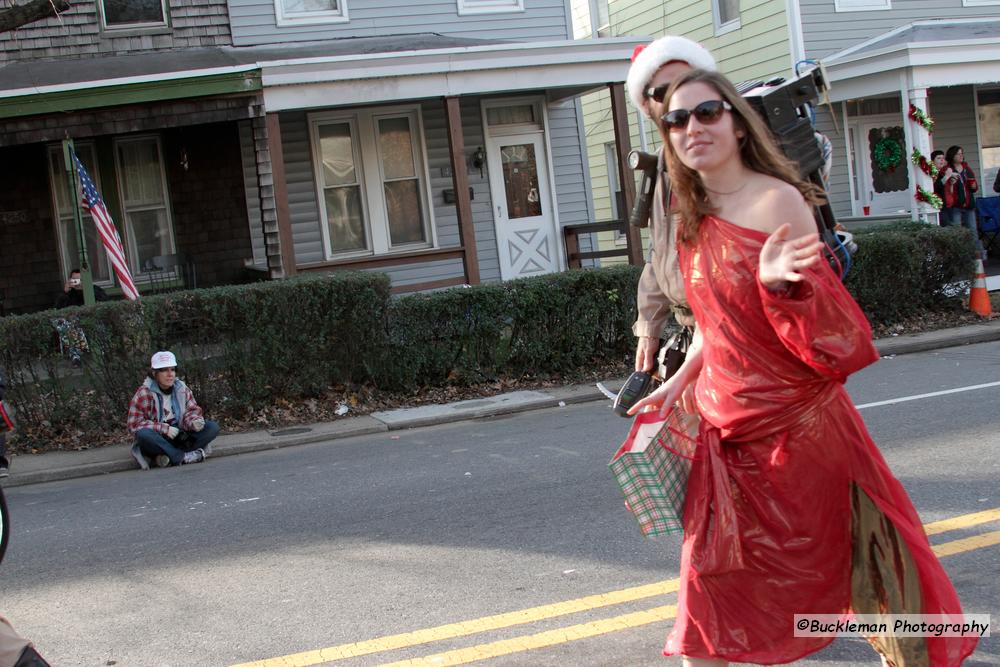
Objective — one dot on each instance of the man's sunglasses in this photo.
(707, 113)
(656, 92)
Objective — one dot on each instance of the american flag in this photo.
(106, 228)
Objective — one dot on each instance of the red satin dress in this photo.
(790, 508)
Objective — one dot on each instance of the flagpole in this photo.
(81, 239)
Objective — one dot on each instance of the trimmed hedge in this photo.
(905, 268)
(248, 346)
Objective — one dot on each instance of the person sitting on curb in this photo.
(168, 424)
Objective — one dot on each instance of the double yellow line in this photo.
(573, 632)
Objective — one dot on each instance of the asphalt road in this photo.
(264, 555)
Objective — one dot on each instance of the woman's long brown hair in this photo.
(758, 149)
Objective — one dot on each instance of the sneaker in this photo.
(195, 456)
(162, 461)
(4, 470)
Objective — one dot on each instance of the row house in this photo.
(442, 143)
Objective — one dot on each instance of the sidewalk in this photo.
(53, 466)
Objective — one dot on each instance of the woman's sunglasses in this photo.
(707, 113)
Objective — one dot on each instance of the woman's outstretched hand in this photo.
(781, 259)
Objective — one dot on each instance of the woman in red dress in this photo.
(790, 509)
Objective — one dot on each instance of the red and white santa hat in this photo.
(649, 58)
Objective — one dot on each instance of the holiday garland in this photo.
(921, 118)
(929, 197)
(887, 153)
(925, 165)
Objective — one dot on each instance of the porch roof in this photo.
(922, 54)
(355, 70)
(563, 69)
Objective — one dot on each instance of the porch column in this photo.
(623, 145)
(921, 140)
(460, 181)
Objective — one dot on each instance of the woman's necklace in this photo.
(731, 192)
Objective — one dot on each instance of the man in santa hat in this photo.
(661, 287)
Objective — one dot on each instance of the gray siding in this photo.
(826, 31)
(304, 208)
(954, 112)
(254, 21)
(839, 188)
(302, 205)
(571, 174)
(569, 179)
(77, 33)
(438, 163)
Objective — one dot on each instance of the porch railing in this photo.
(572, 234)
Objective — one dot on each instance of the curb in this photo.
(355, 426)
(492, 406)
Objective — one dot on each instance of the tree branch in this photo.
(19, 15)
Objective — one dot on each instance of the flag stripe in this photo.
(106, 229)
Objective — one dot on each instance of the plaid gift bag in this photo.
(652, 470)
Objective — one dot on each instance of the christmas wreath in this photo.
(928, 197)
(922, 118)
(888, 153)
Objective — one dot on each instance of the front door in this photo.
(885, 182)
(522, 207)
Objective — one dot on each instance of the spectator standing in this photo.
(168, 424)
(964, 211)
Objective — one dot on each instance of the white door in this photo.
(522, 207)
(884, 161)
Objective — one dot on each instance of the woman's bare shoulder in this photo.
(779, 202)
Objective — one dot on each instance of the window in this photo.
(371, 183)
(861, 5)
(727, 15)
(489, 6)
(305, 12)
(118, 14)
(69, 249)
(143, 191)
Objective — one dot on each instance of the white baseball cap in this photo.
(163, 359)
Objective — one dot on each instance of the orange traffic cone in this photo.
(979, 298)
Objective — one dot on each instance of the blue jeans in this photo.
(152, 444)
(966, 217)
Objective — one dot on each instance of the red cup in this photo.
(867, 209)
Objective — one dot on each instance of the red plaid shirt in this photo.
(142, 410)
